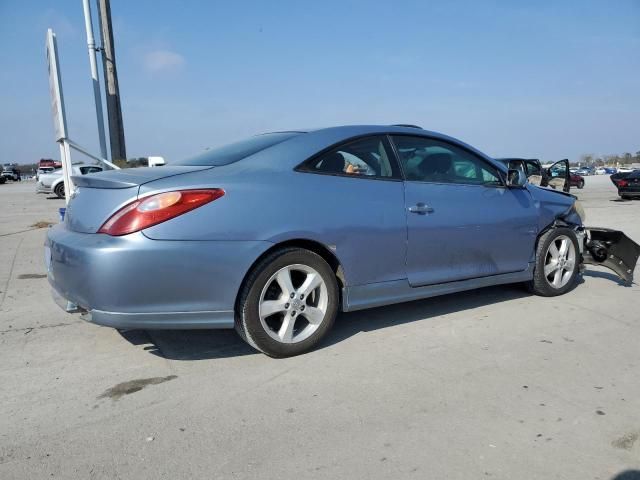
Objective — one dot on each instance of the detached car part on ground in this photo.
(275, 234)
(627, 183)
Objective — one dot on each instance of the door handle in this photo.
(421, 209)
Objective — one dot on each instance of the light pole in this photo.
(91, 45)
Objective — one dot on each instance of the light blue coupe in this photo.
(275, 234)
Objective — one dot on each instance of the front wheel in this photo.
(288, 303)
(557, 263)
(581, 184)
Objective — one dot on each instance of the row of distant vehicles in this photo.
(626, 179)
(586, 171)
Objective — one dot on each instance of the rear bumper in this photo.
(148, 321)
(135, 282)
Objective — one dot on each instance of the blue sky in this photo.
(546, 79)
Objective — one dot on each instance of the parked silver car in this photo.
(54, 181)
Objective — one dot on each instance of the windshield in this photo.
(237, 151)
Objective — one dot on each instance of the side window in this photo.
(532, 169)
(85, 170)
(558, 171)
(429, 160)
(365, 157)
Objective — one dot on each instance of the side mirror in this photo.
(516, 178)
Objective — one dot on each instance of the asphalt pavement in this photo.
(493, 383)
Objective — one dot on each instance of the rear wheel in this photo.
(557, 263)
(288, 303)
(59, 190)
(581, 184)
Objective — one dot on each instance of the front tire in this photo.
(59, 190)
(557, 263)
(581, 184)
(288, 303)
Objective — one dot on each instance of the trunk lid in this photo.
(100, 195)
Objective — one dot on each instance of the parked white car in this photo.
(54, 182)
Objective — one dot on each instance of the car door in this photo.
(462, 222)
(559, 175)
(359, 209)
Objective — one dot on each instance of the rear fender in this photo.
(611, 249)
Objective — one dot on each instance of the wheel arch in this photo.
(558, 222)
(56, 182)
(313, 246)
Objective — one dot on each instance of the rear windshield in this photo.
(237, 151)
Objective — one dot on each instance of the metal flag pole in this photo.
(91, 45)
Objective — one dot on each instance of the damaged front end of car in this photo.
(598, 246)
(602, 246)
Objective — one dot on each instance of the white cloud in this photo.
(163, 61)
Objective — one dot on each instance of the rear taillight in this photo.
(623, 183)
(156, 209)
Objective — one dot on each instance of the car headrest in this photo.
(436, 163)
(442, 162)
(332, 163)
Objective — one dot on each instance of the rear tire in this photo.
(581, 184)
(59, 190)
(288, 303)
(557, 263)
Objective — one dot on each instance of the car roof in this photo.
(340, 133)
(307, 142)
(355, 130)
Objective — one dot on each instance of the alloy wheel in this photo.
(560, 261)
(293, 303)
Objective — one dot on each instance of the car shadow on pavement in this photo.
(628, 475)
(607, 275)
(189, 345)
(349, 324)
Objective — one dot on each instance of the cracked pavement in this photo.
(492, 383)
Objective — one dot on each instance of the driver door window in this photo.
(433, 161)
